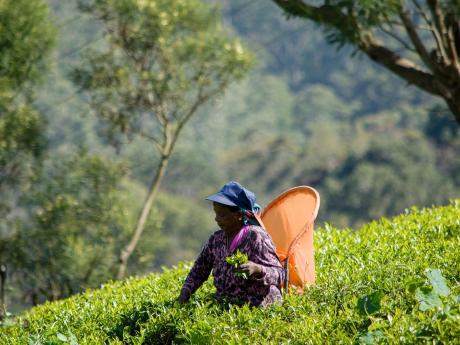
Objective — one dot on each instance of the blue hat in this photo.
(234, 194)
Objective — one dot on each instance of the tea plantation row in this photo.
(393, 281)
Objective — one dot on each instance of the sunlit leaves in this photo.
(373, 287)
(236, 260)
(428, 298)
(372, 337)
(438, 282)
(166, 57)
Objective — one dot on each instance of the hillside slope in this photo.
(393, 281)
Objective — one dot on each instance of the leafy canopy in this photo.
(79, 216)
(26, 40)
(166, 58)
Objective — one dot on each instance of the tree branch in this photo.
(443, 79)
(438, 18)
(200, 100)
(152, 139)
(404, 68)
(415, 39)
(397, 38)
(434, 31)
(325, 14)
(453, 50)
(160, 114)
(181, 123)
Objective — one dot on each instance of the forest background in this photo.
(307, 114)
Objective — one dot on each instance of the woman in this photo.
(235, 208)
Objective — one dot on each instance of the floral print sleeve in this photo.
(257, 291)
(200, 270)
(264, 254)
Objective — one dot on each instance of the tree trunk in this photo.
(151, 195)
(454, 106)
(2, 291)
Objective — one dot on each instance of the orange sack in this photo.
(289, 220)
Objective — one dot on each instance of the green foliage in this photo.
(79, 217)
(371, 303)
(25, 43)
(396, 165)
(268, 131)
(236, 260)
(166, 58)
(21, 147)
(369, 290)
(306, 116)
(392, 34)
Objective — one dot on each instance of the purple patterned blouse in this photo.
(257, 291)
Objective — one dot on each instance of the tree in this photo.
(165, 59)
(80, 216)
(26, 40)
(387, 178)
(419, 42)
(25, 43)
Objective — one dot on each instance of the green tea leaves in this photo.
(427, 298)
(413, 284)
(370, 304)
(438, 282)
(71, 339)
(236, 260)
(371, 338)
(391, 282)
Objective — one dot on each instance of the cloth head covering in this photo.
(234, 194)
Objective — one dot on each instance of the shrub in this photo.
(393, 281)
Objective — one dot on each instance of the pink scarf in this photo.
(239, 237)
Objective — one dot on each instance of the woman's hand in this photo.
(183, 297)
(251, 268)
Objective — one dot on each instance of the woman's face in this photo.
(228, 220)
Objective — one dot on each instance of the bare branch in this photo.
(438, 18)
(431, 27)
(415, 39)
(395, 23)
(422, 12)
(151, 138)
(434, 30)
(453, 49)
(201, 98)
(451, 22)
(397, 38)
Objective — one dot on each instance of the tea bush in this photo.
(393, 281)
